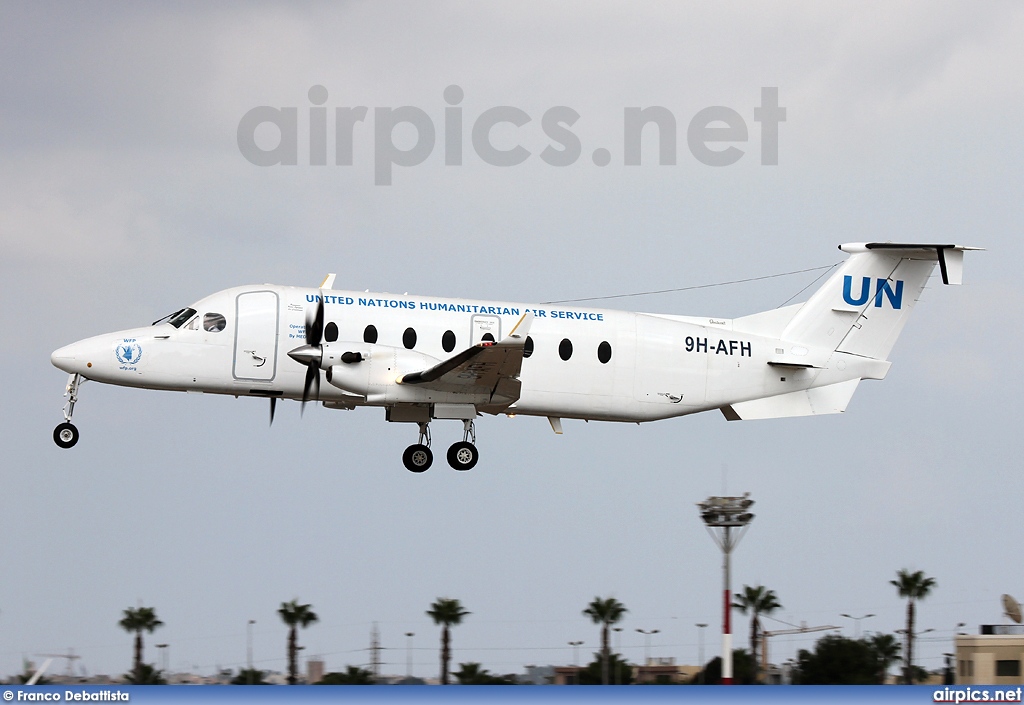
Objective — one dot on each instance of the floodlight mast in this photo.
(721, 515)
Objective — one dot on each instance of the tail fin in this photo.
(863, 307)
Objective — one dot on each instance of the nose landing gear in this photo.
(66, 434)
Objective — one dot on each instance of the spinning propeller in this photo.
(310, 355)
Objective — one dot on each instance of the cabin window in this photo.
(604, 352)
(565, 349)
(487, 338)
(409, 338)
(370, 334)
(214, 322)
(331, 332)
(528, 346)
(448, 341)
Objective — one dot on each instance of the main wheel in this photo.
(417, 458)
(65, 435)
(463, 455)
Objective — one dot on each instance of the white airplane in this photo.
(425, 358)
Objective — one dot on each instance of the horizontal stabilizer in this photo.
(831, 399)
(950, 257)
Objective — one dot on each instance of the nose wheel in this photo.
(418, 457)
(66, 434)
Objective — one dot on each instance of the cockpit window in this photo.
(177, 318)
(214, 322)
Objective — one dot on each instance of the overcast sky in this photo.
(124, 196)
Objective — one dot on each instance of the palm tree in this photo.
(606, 612)
(295, 615)
(139, 620)
(146, 675)
(913, 586)
(886, 650)
(447, 612)
(757, 601)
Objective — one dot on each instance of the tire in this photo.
(417, 458)
(65, 435)
(463, 455)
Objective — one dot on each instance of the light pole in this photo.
(164, 659)
(700, 650)
(721, 515)
(647, 644)
(575, 652)
(248, 649)
(408, 654)
(856, 621)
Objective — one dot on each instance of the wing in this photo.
(485, 368)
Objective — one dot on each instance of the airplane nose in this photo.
(65, 358)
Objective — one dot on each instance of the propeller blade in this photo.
(273, 405)
(311, 354)
(315, 328)
(312, 382)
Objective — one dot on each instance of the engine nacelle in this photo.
(371, 370)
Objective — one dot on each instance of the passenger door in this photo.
(256, 326)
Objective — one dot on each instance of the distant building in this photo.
(566, 675)
(657, 671)
(663, 671)
(538, 675)
(314, 670)
(992, 657)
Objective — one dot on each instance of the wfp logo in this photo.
(128, 353)
(895, 296)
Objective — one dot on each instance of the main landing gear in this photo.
(66, 434)
(417, 457)
(461, 456)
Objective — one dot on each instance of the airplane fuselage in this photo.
(582, 363)
(423, 358)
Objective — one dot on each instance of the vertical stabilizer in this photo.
(863, 307)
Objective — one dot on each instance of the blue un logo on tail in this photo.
(882, 287)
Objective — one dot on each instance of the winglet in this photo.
(522, 328)
(328, 282)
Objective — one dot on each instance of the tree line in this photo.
(835, 659)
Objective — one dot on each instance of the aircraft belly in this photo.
(576, 406)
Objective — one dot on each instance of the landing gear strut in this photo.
(418, 457)
(66, 434)
(463, 455)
